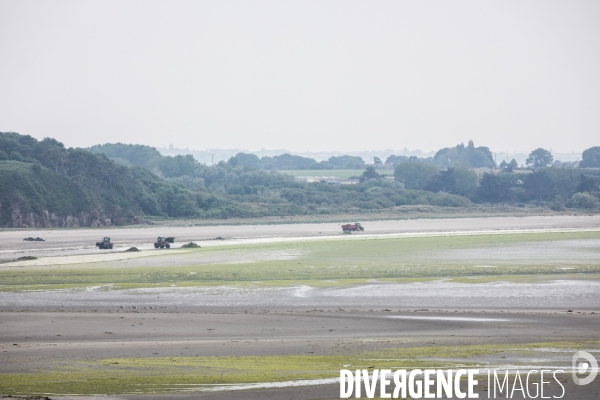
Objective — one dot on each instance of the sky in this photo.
(303, 75)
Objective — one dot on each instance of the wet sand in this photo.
(63, 242)
(54, 339)
(580, 295)
(50, 329)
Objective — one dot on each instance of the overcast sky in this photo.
(303, 75)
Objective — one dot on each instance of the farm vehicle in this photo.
(349, 228)
(162, 242)
(104, 243)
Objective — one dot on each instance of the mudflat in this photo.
(275, 311)
(82, 240)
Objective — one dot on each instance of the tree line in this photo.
(38, 175)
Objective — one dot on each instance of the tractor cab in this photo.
(162, 242)
(104, 243)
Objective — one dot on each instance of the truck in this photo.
(104, 243)
(162, 242)
(348, 228)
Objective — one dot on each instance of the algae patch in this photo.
(190, 245)
(138, 375)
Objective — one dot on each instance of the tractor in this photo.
(348, 228)
(162, 242)
(105, 243)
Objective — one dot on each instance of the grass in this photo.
(328, 262)
(180, 374)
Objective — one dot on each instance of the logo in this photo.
(584, 363)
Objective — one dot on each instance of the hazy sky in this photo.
(303, 75)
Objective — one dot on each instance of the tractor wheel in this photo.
(155, 246)
(168, 246)
(110, 246)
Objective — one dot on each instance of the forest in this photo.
(121, 182)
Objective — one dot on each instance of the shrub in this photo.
(584, 200)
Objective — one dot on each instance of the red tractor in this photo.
(348, 228)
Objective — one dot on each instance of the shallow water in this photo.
(576, 251)
(451, 318)
(555, 294)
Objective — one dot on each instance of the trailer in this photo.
(349, 228)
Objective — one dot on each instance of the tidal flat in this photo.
(159, 375)
(277, 316)
(465, 258)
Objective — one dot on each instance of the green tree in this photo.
(492, 189)
(588, 183)
(539, 185)
(584, 200)
(369, 173)
(414, 175)
(443, 181)
(396, 159)
(469, 156)
(539, 158)
(248, 160)
(590, 158)
(342, 162)
(509, 166)
(465, 182)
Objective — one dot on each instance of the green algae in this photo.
(180, 374)
(324, 263)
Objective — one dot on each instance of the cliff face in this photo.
(82, 219)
